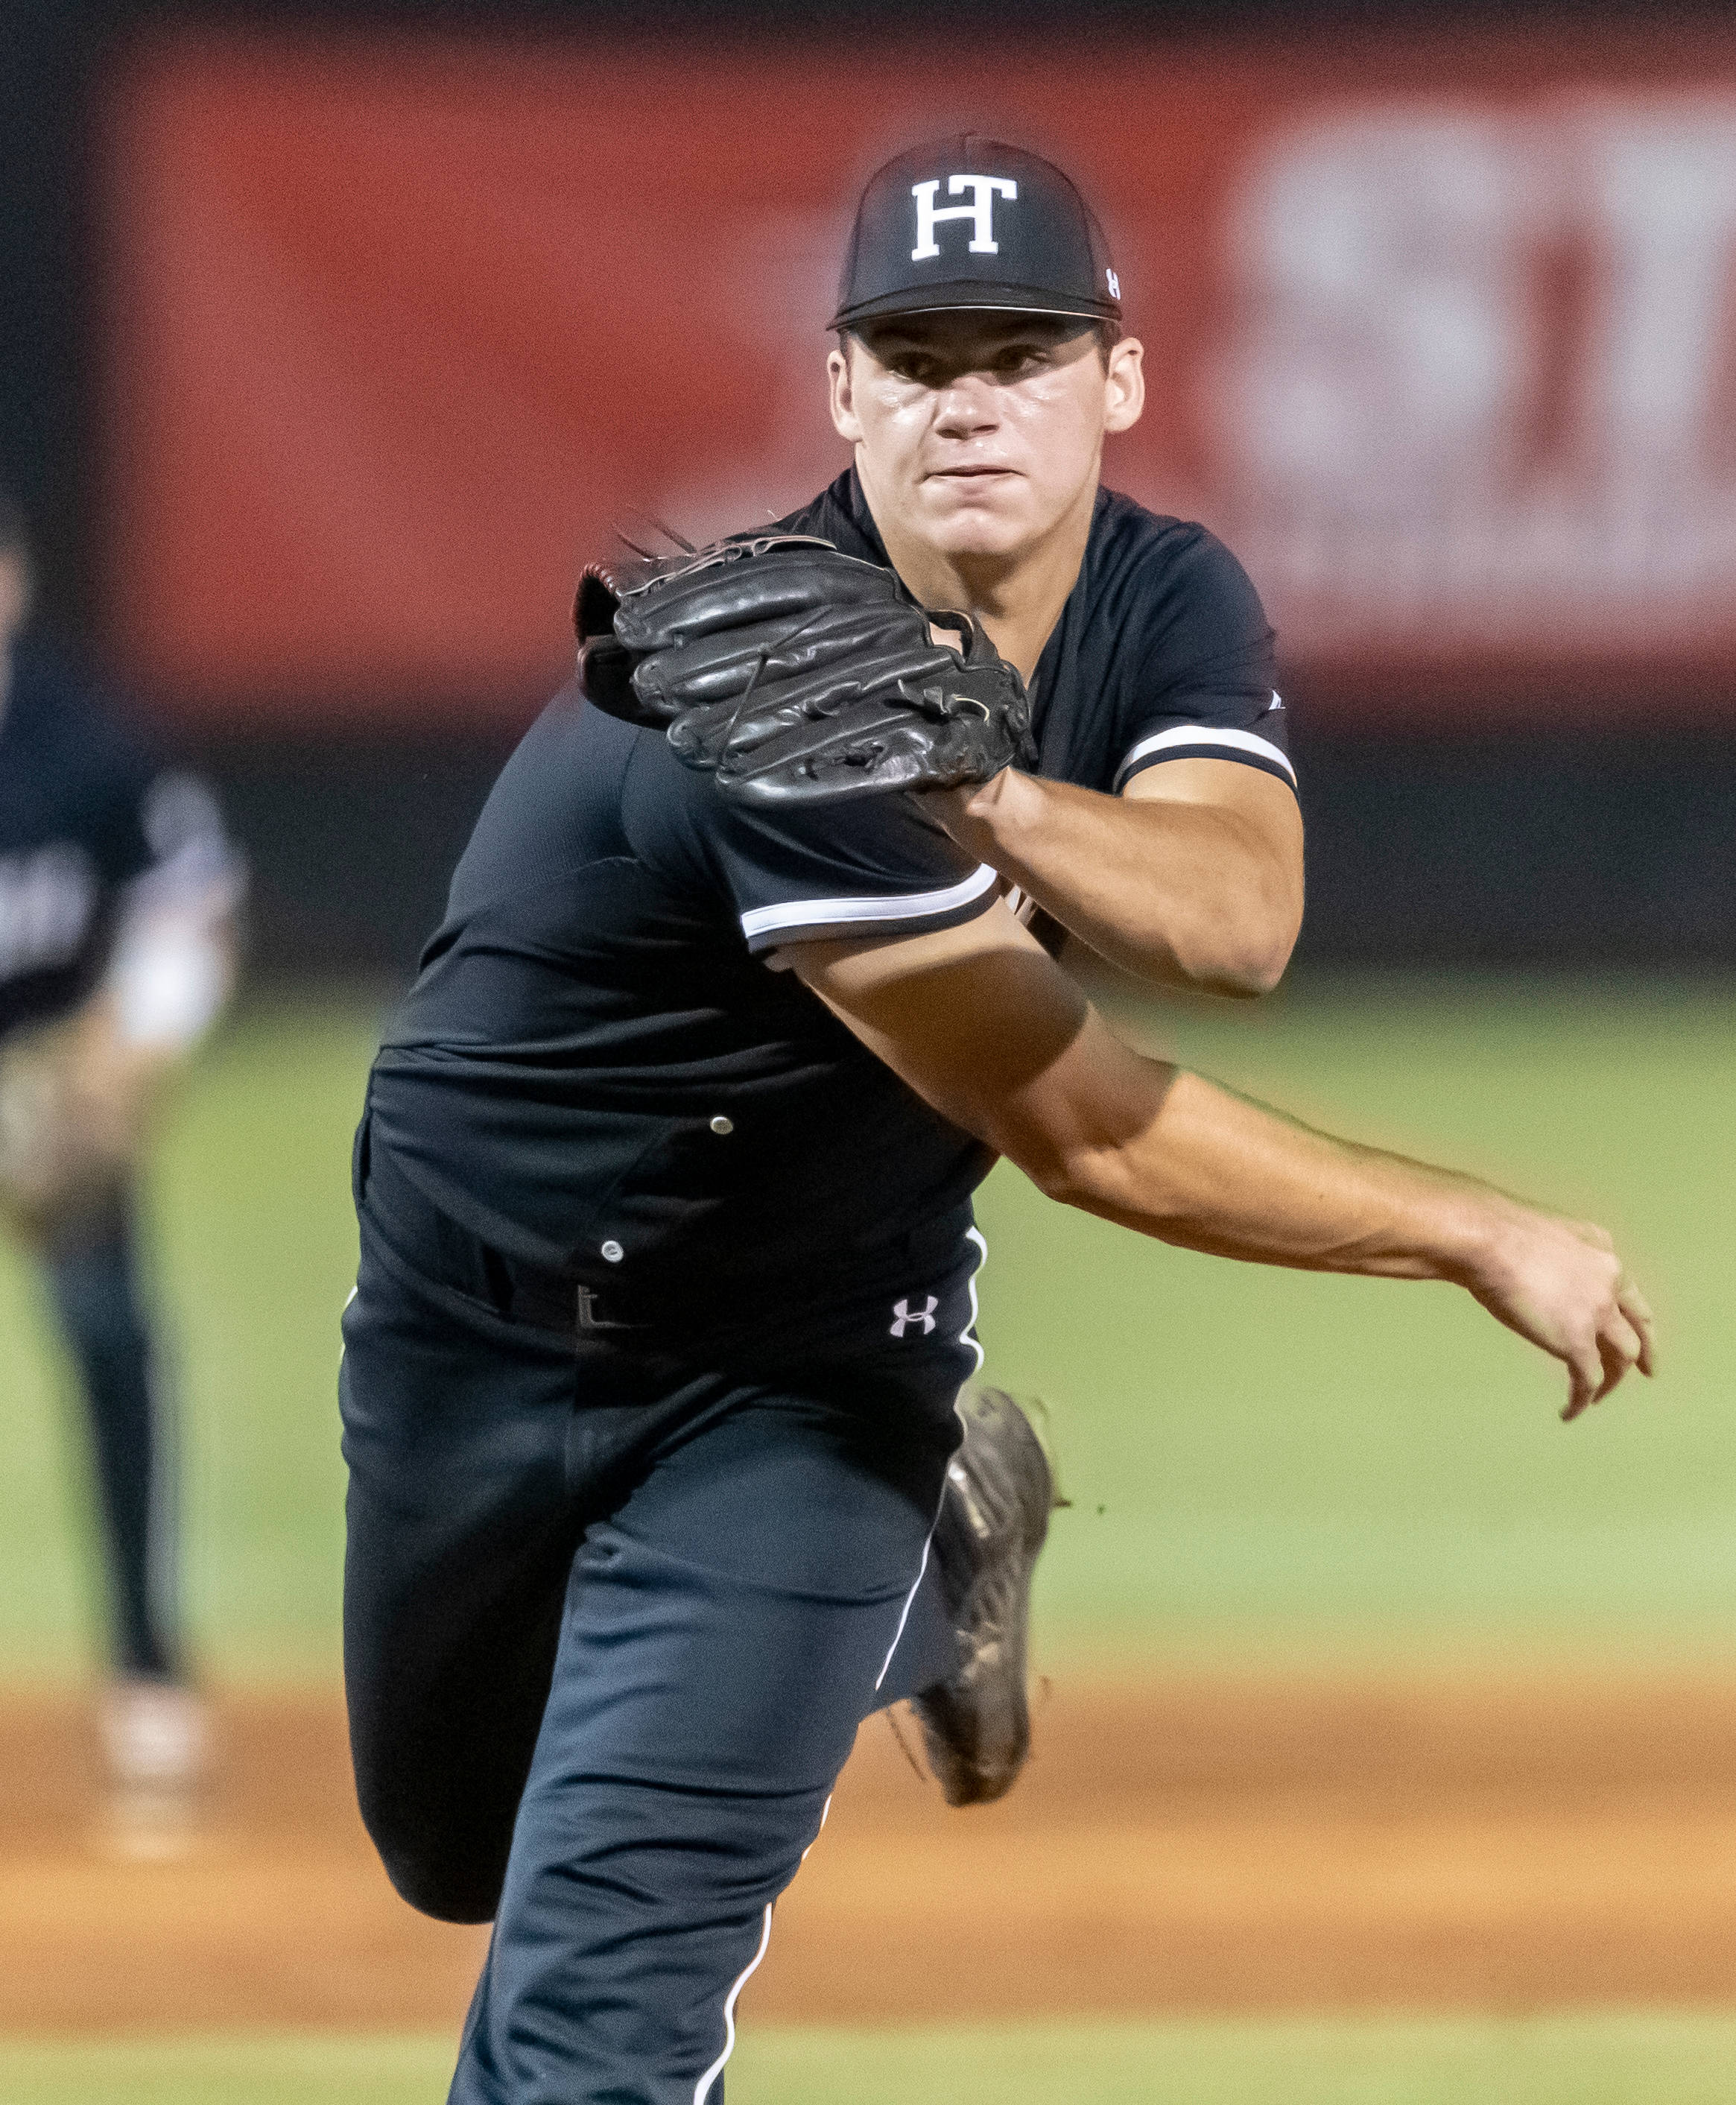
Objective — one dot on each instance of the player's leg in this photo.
(461, 1529)
(154, 1728)
(726, 1630)
(91, 1261)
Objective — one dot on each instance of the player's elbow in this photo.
(1255, 969)
(1100, 1179)
(1076, 1181)
(1242, 955)
(1095, 1152)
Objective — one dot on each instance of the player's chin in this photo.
(984, 518)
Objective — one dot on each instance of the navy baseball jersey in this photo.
(597, 1070)
(86, 816)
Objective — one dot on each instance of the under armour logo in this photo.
(980, 212)
(902, 1314)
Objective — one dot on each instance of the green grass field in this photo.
(1260, 1462)
(1620, 2059)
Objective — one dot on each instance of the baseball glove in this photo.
(798, 674)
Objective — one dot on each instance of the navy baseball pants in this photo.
(611, 1621)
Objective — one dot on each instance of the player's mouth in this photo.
(970, 474)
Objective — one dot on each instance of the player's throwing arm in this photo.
(984, 1024)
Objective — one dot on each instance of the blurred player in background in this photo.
(118, 898)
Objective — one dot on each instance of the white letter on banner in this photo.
(1665, 179)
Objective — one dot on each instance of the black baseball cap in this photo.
(970, 222)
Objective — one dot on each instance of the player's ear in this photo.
(839, 376)
(1124, 385)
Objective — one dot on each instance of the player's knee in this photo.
(438, 1883)
(443, 1865)
(93, 1291)
(433, 1892)
(107, 1335)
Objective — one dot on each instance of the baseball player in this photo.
(657, 1487)
(117, 891)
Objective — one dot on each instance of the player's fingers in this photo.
(1619, 1347)
(1588, 1232)
(1638, 1308)
(1634, 1305)
(1585, 1367)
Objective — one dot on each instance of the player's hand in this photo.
(1561, 1284)
(71, 1124)
(964, 813)
(42, 1151)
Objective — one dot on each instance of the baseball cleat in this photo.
(993, 1518)
(156, 1740)
(154, 1733)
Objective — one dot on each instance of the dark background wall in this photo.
(1426, 851)
(1616, 847)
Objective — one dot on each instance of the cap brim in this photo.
(988, 299)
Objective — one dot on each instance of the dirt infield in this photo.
(1182, 1847)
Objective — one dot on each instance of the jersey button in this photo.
(721, 1125)
(613, 1252)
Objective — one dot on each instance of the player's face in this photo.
(981, 433)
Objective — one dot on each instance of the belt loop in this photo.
(588, 1316)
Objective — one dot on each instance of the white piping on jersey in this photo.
(702, 2088)
(1191, 735)
(833, 913)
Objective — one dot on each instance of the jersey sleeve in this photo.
(874, 866)
(191, 855)
(870, 866)
(171, 964)
(1199, 681)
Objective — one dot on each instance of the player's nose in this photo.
(967, 405)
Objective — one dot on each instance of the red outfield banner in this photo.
(1441, 339)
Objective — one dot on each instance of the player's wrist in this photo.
(1004, 804)
(1479, 1237)
(976, 814)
